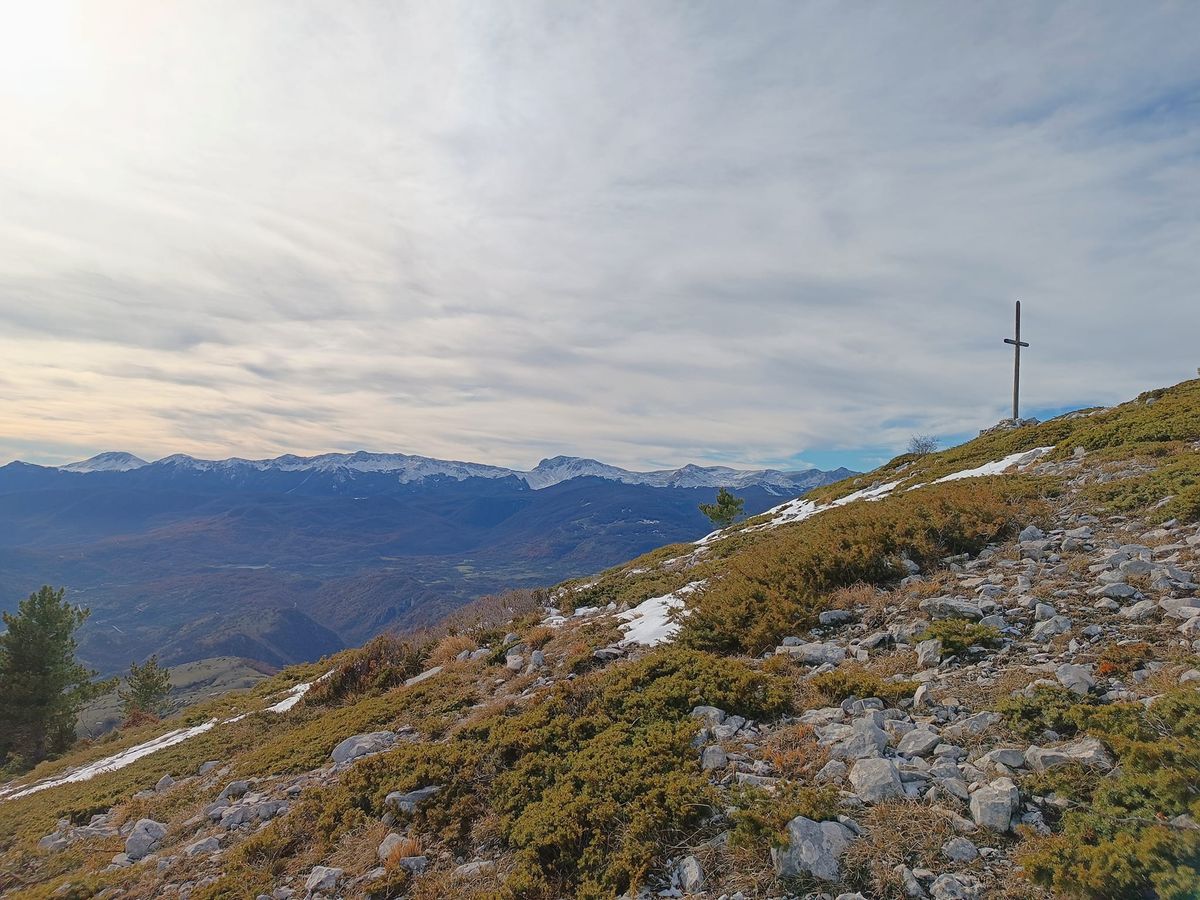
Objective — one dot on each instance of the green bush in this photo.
(382, 663)
(1117, 841)
(1044, 709)
(959, 635)
(774, 585)
(831, 688)
(588, 785)
(760, 818)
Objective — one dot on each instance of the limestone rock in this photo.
(959, 849)
(322, 878)
(876, 779)
(951, 608)
(690, 875)
(929, 653)
(813, 848)
(1088, 751)
(146, 837)
(1077, 679)
(993, 806)
(362, 744)
(407, 802)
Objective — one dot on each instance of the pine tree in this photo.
(725, 510)
(146, 687)
(42, 685)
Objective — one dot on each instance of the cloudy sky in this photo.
(645, 231)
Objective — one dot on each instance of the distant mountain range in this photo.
(288, 559)
(406, 469)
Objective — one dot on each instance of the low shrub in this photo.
(1044, 708)
(831, 688)
(1122, 660)
(382, 663)
(959, 635)
(760, 818)
(1117, 839)
(588, 785)
(776, 585)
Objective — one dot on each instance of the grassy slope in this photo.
(191, 683)
(1158, 430)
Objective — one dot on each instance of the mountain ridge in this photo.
(409, 468)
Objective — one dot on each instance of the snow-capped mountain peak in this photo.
(111, 461)
(408, 468)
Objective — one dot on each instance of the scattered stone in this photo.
(361, 745)
(876, 779)
(407, 802)
(322, 878)
(836, 617)
(202, 847)
(959, 849)
(815, 654)
(710, 714)
(144, 839)
(1087, 751)
(929, 653)
(813, 848)
(951, 608)
(714, 757)
(1043, 631)
(918, 742)
(1077, 679)
(956, 887)
(1139, 611)
(387, 845)
(993, 806)
(690, 875)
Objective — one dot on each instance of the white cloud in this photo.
(649, 232)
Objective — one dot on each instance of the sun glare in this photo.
(35, 47)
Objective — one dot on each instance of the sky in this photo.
(644, 231)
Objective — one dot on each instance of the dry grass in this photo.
(853, 597)
(794, 752)
(933, 586)
(732, 869)
(442, 884)
(449, 647)
(896, 832)
(406, 847)
(356, 848)
(539, 636)
(901, 662)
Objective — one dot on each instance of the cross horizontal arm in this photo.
(1017, 343)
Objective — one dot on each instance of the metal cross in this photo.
(1017, 345)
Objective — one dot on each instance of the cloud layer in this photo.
(648, 232)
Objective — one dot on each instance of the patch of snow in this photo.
(649, 623)
(1024, 458)
(112, 763)
(131, 755)
(294, 696)
(554, 621)
(799, 509)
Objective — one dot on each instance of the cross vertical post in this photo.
(1017, 345)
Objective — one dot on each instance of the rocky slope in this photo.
(967, 675)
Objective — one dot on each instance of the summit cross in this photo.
(1017, 345)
